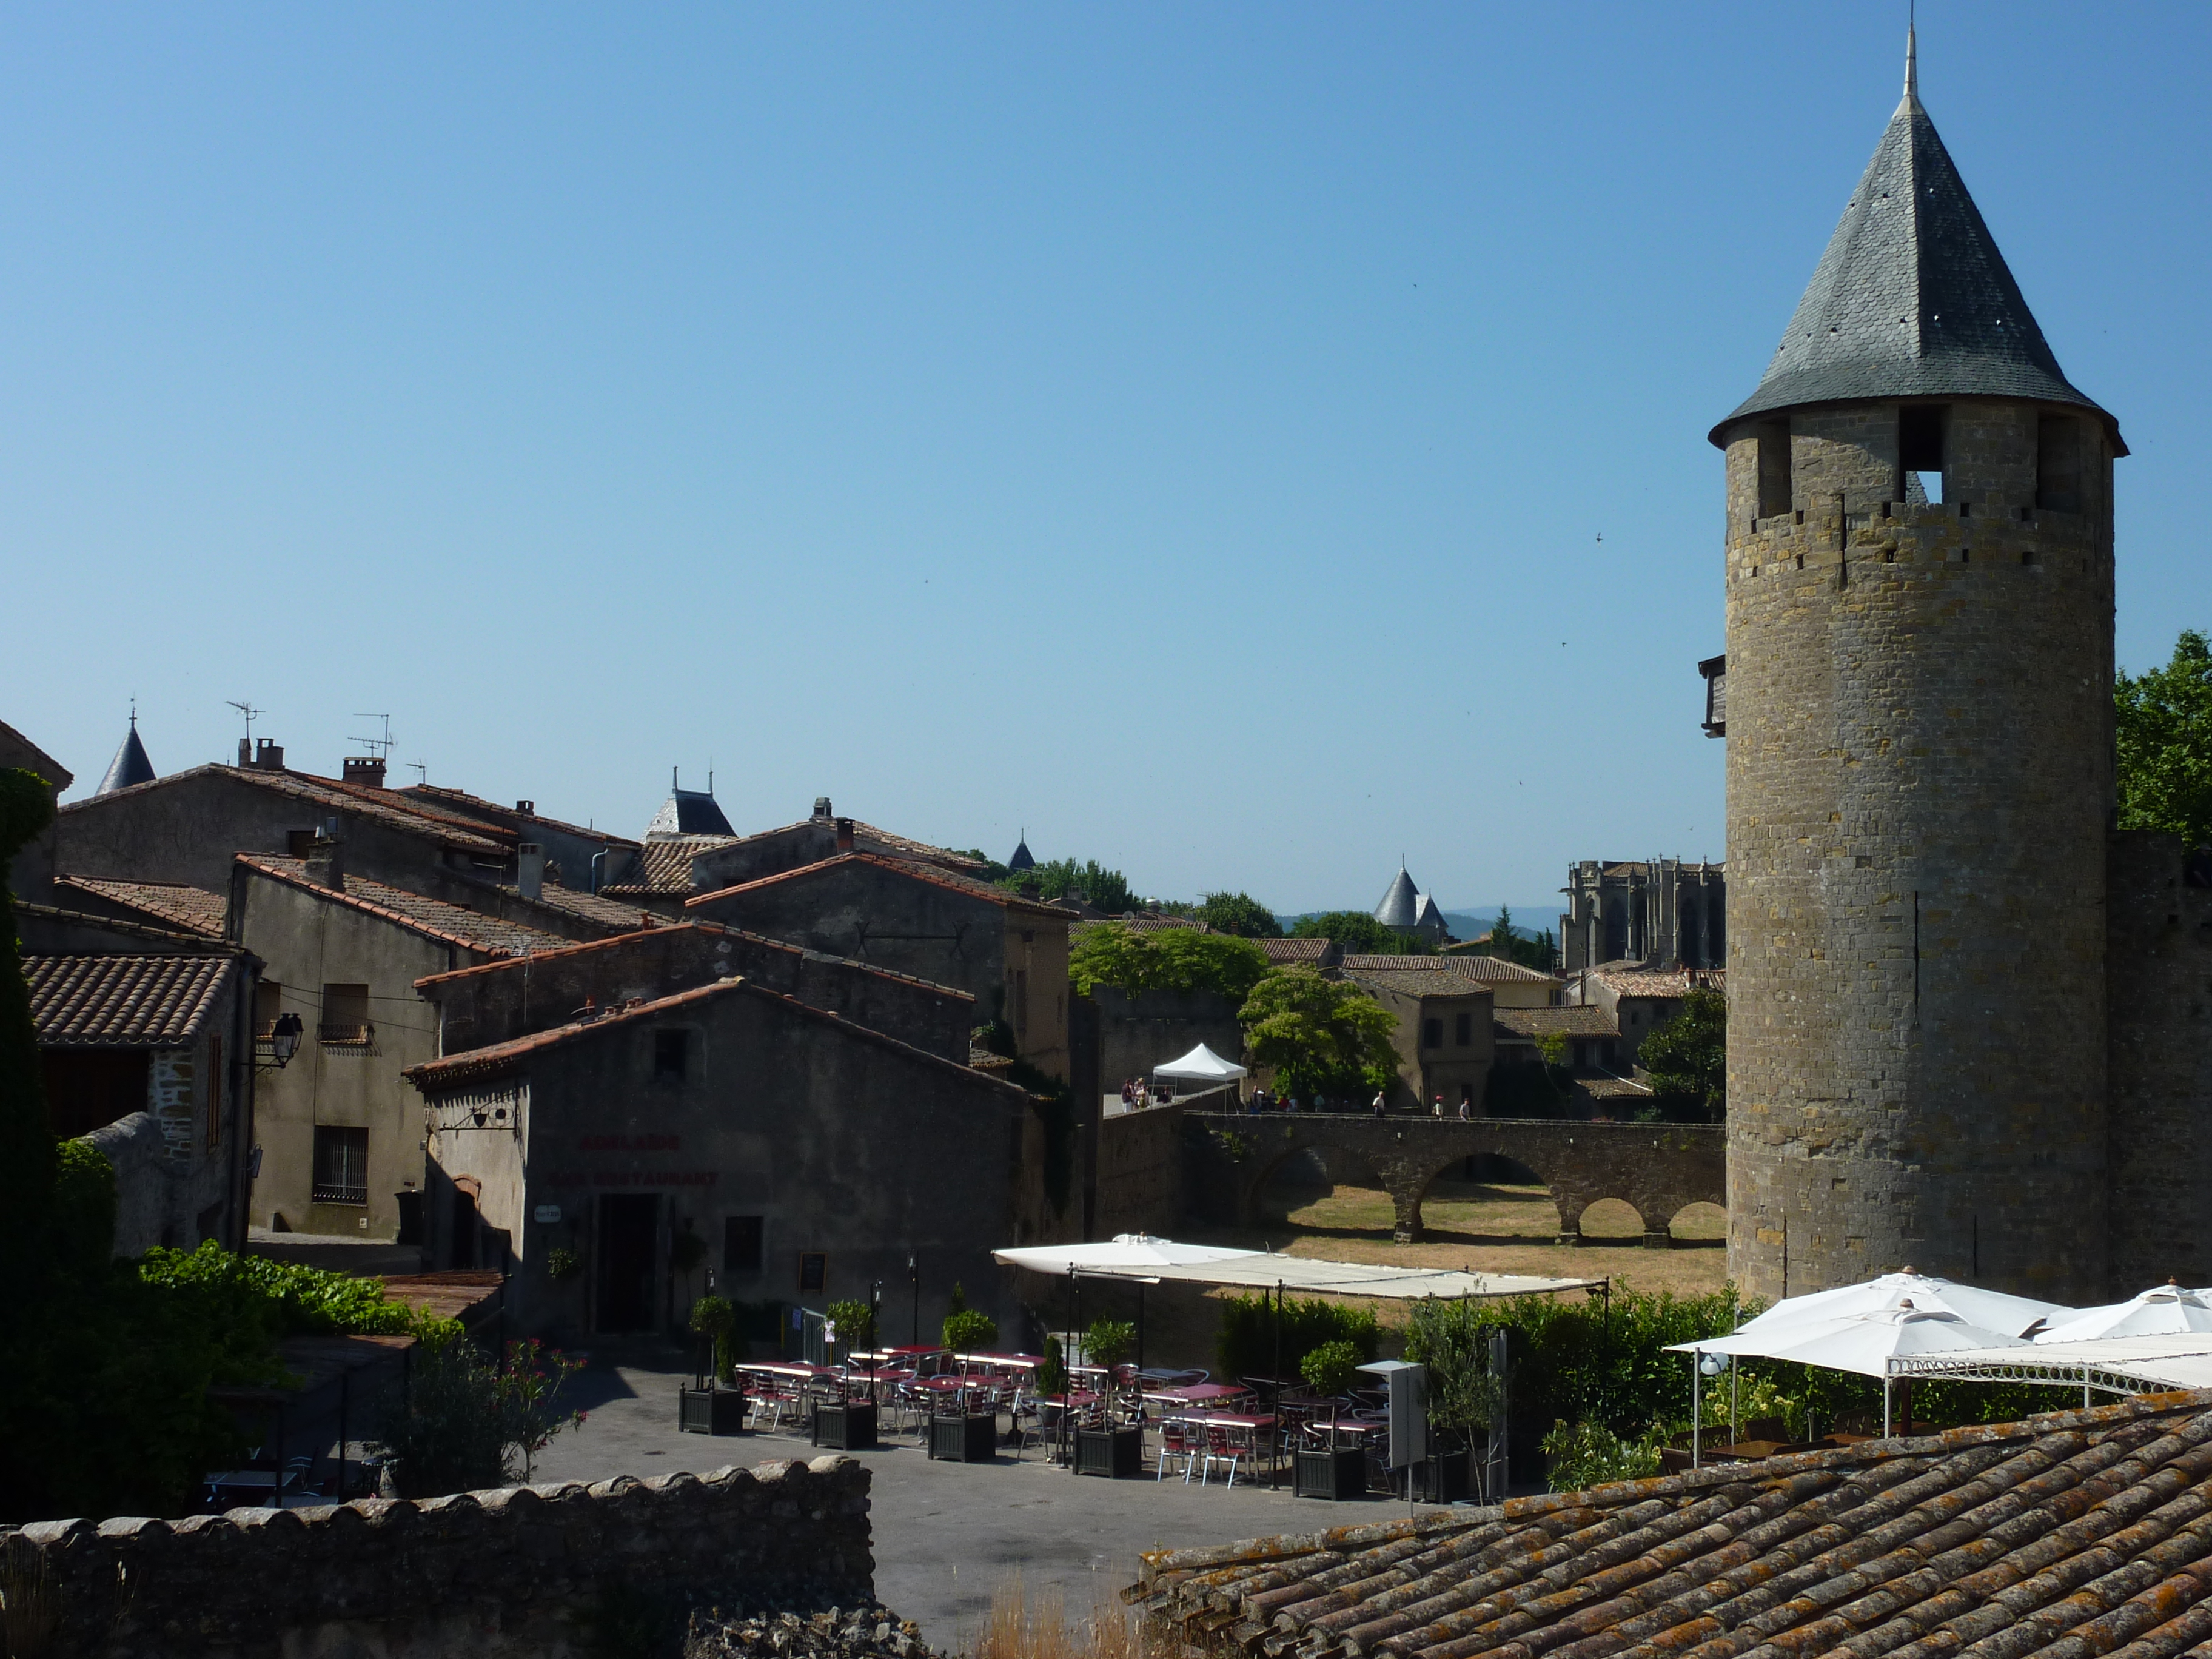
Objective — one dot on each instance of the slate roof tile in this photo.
(124, 1001)
(2068, 1536)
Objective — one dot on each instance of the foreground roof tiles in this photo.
(2069, 1535)
(1488, 969)
(124, 1001)
(195, 910)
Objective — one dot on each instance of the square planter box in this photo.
(710, 1411)
(849, 1427)
(1337, 1474)
(1445, 1479)
(1117, 1454)
(972, 1439)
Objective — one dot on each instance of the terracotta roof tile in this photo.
(2071, 1535)
(936, 878)
(462, 804)
(867, 838)
(432, 918)
(1526, 1024)
(1418, 981)
(1633, 979)
(663, 867)
(194, 909)
(1488, 969)
(1283, 951)
(595, 908)
(498, 1058)
(382, 805)
(124, 1001)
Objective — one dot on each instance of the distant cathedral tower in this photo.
(1919, 593)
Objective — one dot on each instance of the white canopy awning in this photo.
(2118, 1364)
(2162, 1310)
(1137, 1258)
(1200, 1063)
(1993, 1310)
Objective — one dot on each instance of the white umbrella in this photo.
(1866, 1343)
(2012, 1316)
(1128, 1256)
(2164, 1310)
(1200, 1064)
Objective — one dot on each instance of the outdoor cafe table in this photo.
(1198, 1394)
(798, 1370)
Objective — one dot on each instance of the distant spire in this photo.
(1911, 66)
(129, 765)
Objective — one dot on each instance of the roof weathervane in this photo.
(1911, 54)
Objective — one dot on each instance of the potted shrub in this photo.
(709, 1408)
(1112, 1450)
(846, 1424)
(1334, 1472)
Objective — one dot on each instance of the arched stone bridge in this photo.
(1656, 1168)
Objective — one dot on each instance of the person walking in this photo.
(1377, 1107)
(1436, 1110)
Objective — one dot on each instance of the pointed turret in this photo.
(687, 812)
(1400, 907)
(1023, 858)
(1912, 298)
(129, 765)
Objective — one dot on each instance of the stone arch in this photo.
(1697, 1220)
(1642, 1218)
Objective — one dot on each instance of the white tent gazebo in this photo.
(1200, 1070)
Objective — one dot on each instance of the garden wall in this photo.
(1140, 1158)
(549, 1571)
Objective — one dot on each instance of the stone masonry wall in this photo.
(2160, 983)
(1140, 1159)
(1919, 768)
(489, 1574)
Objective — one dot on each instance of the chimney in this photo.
(246, 751)
(844, 835)
(326, 863)
(268, 757)
(822, 806)
(527, 808)
(1332, 957)
(367, 771)
(529, 870)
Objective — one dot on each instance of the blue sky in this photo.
(1243, 444)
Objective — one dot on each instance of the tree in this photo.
(1319, 1035)
(1104, 888)
(1687, 1057)
(1239, 913)
(2163, 728)
(1171, 959)
(1360, 934)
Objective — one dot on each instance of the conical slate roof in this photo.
(1912, 298)
(1023, 858)
(1401, 906)
(129, 765)
(687, 812)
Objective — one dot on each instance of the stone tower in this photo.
(1919, 593)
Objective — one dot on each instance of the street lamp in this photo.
(913, 1276)
(876, 1328)
(284, 1039)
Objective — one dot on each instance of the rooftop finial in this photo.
(1912, 60)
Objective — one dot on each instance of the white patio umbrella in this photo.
(1866, 1343)
(1127, 1256)
(1993, 1310)
(2163, 1310)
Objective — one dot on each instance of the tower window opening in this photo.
(1773, 469)
(2058, 464)
(1920, 452)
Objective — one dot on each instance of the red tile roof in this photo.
(1488, 969)
(935, 878)
(1527, 1024)
(882, 840)
(2066, 1536)
(1283, 951)
(1633, 979)
(432, 918)
(383, 806)
(467, 806)
(663, 867)
(124, 1001)
(1418, 981)
(594, 908)
(499, 1059)
(194, 909)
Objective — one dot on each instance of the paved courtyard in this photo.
(946, 1534)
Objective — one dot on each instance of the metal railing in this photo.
(342, 1035)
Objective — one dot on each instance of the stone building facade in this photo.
(1667, 912)
(1919, 603)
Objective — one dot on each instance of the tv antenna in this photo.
(380, 747)
(422, 772)
(251, 714)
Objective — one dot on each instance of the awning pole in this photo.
(2085, 1385)
(1696, 1402)
(1885, 1402)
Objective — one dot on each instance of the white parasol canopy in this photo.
(1141, 1259)
(2164, 1310)
(1202, 1064)
(1870, 1343)
(1993, 1310)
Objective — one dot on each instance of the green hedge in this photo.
(1247, 1344)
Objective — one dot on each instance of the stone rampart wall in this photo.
(538, 1570)
(1140, 1158)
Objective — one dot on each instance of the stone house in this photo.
(1510, 984)
(1638, 999)
(340, 1133)
(1667, 912)
(797, 1155)
(1444, 1041)
(578, 859)
(146, 1052)
(1008, 952)
(18, 751)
